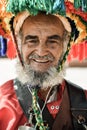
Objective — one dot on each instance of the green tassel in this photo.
(12, 6)
(59, 7)
(84, 5)
(81, 4)
(22, 5)
(77, 3)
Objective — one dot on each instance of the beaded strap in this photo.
(37, 112)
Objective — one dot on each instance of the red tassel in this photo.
(81, 51)
(75, 51)
(78, 51)
(11, 49)
(85, 49)
(69, 59)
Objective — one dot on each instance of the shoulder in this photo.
(9, 82)
(74, 87)
(7, 95)
(8, 98)
(7, 87)
(76, 93)
(7, 91)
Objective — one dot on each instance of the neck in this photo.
(43, 93)
(48, 92)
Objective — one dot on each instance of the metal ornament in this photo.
(26, 128)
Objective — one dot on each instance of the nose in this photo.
(42, 50)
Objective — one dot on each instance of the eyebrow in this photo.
(55, 37)
(30, 37)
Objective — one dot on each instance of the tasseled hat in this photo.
(76, 10)
(72, 13)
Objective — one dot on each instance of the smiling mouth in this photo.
(41, 61)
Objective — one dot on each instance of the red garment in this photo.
(11, 114)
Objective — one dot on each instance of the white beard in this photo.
(47, 79)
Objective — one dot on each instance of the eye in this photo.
(30, 39)
(53, 44)
(31, 42)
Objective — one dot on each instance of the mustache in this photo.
(45, 57)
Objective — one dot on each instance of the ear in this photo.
(74, 30)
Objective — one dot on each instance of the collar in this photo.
(54, 106)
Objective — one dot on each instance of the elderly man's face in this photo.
(42, 41)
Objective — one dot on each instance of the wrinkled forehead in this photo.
(44, 19)
(48, 24)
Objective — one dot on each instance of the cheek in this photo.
(57, 54)
(26, 51)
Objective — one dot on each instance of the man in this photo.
(39, 98)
